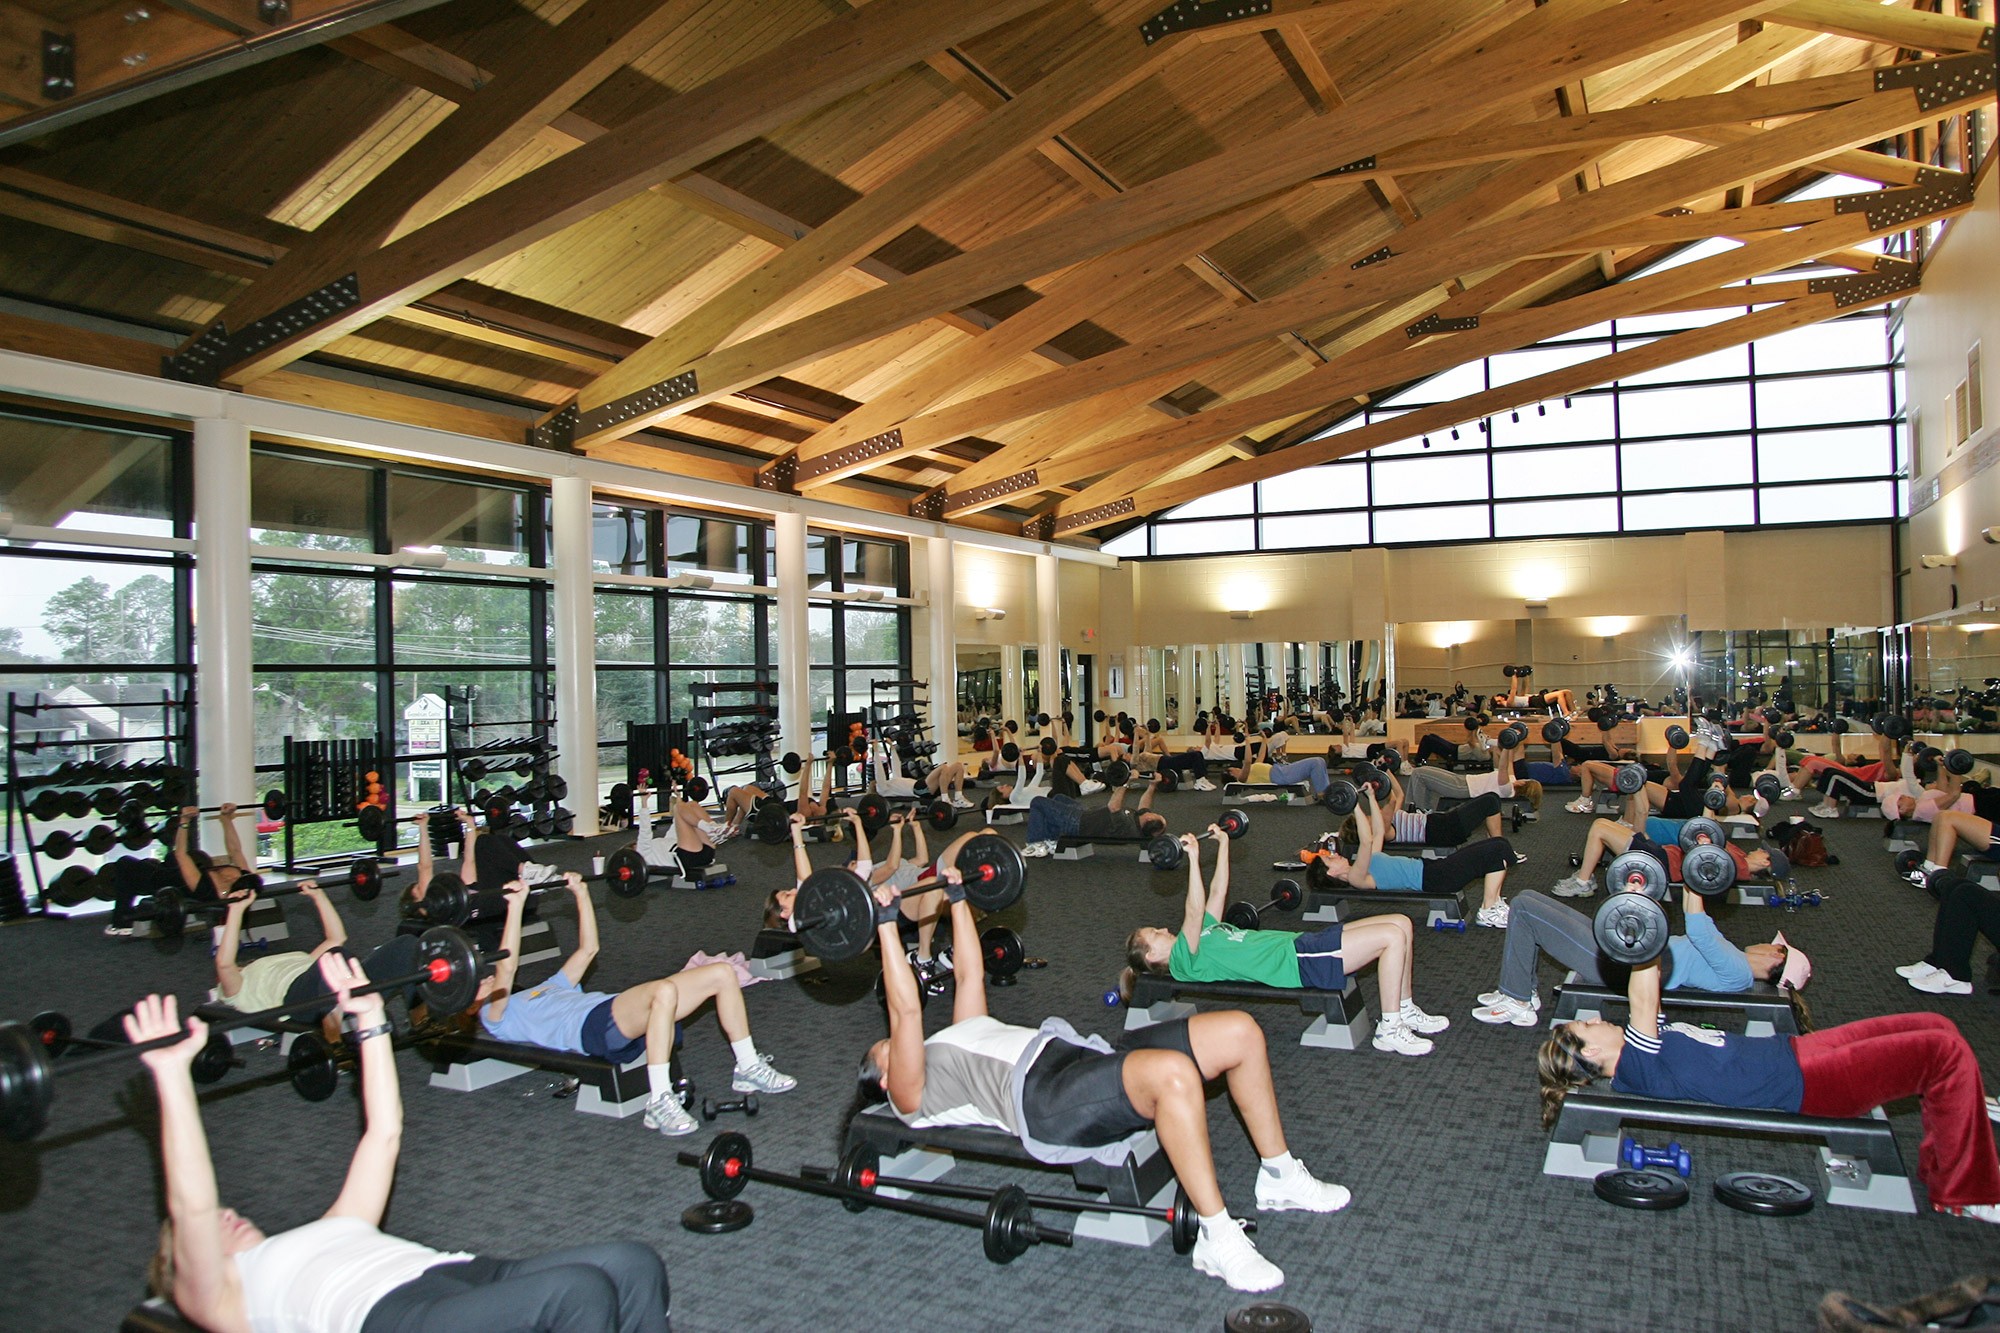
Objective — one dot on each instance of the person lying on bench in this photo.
(1561, 703)
(1840, 1073)
(638, 1020)
(1262, 767)
(1433, 747)
(1661, 841)
(1488, 859)
(1207, 949)
(946, 780)
(1438, 828)
(1701, 959)
(1976, 828)
(1839, 783)
(1059, 816)
(1069, 1097)
(1427, 784)
(341, 1271)
(293, 977)
(1966, 910)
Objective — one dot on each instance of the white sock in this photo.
(1281, 1165)
(1931, 865)
(1408, 1007)
(660, 1080)
(1209, 1225)
(746, 1052)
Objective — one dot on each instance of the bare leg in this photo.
(1605, 835)
(1385, 940)
(1229, 1044)
(653, 1007)
(1495, 881)
(1165, 1087)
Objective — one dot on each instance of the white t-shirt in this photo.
(1478, 784)
(325, 1276)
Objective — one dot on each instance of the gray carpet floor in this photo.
(1452, 1226)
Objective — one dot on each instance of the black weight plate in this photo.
(73, 887)
(1267, 1317)
(1183, 1224)
(54, 1029)
(1771, 1196)
(625, 871)
(76, 804)
(770, 822)
(1699, 830)
(1637, 872)
(215, 1059)
(1241, 915)
(994, 872)
(857, 1170)
(1629, 778)
(712, 1217)
(1164, 852)
(169, 913)
(836, 912)
(1630, 928)
(1652, 1191)
(1708, 870)
(364, 878)
(26, 1083)
(942, 815)
(1009, 1229)
(1002, 950)
(314, 1075)
(446, 901)
(725, 1165)
(455, 990)
(874, 813)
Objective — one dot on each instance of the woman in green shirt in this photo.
(1207, 949)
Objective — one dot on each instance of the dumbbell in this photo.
(1555, 729)
(1769, 787)
(215, 1059)
(1511, 736)
(1677, 737)
(1715, 798)
(1637, 1157)
(1286, 895)
(169, 908)
(1629, 778)
(1343, 793)
(711, 1108)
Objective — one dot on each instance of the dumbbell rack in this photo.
(168, 775)
(898, 721)
(327, 782)
(530, 755)
(736, 739)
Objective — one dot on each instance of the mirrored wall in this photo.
(1176, 684)
(1956, 655)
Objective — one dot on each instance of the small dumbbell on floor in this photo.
(711, 1108)
(1638, 1157)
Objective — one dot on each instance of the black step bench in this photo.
(1764, 1007)
(1144, 1179)
(1341, 1025)
(1860, 1166)
(1341, 904)
(1077, 849)
(776, 955)
(467, 1062)
(1302, 790)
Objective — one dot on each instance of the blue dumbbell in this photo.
(1112, 999)
(1638, 1157)
(1442, 924)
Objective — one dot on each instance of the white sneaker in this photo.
(1911, 971)
(1572, 887)
(760, 1077)
(1921, 876)
(1940, 982)
(118, 930)
(1222, 1250)
(1417, 1020)
(1298, 1188)
(1582, 805)
(666, 1114)
(1392, 1035)
(1789, 794)
(958, 802)
(1494, 916)
(1039, 849)
(1993, 1108)
(1825, 810)
(1506, 1009)
(1534, 1000)
(1203, 784)
(1090, 787)
(1978, 1212)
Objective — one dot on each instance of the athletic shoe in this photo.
(942, 961)
(758, 1076)
(1534, 1001)
(1506, 1009)
(1222, 1250)
(1418, 1021)
(1825, 810)
(1090, 787)
(1789, 794)
(1911, 971)
(1393, 1035)
(1978, 1212)
(118, 930)
(1582, 805)
(1494, 916)
(666, 1114)
(1203, 784)
(1572, 886)
(1298, 1189)
(1941, 983)
(1993, 1108)
(1039, 849)
(959, 802)
(1520, 859)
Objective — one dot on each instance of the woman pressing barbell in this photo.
(341, 1271)
(946, 780)
(1840, 1072)
(1207, 949)
(1489, 860)
(1069, 1097)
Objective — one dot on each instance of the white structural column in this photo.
(575, 621)
(794, 646)
(944, 647)
(226, 744)
(1010, 682)
(1048, 611)
(1388, 670)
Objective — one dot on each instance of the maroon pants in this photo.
(1852, 1069)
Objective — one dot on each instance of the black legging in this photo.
(132, 878)
(1840, 786)
(1744, 761)
(616, 1285)
(1475, 860)
(397, 958)
(1684, 801)
(1190, 762)
(1448, 828)
(1574, 754)
(1430, 743)
(1967, 911)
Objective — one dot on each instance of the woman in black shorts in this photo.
(1069, 1097)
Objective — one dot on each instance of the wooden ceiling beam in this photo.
(1564, 40)
(768, 90)
(1889, 25)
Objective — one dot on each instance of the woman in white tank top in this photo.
(341, 1274)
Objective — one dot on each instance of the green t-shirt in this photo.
(1229, 953)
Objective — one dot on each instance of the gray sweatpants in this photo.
(1538, 924)
(1424, 784)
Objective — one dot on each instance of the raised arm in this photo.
(468, 833)
(579, 962)
(510, 957)
(1644, 991)
(923, 843)
(371, 1172)
(1146, 794)
(1117, 801)
(228, 976)
(332, 929)
(206, 1287)
(1191, 916)
(905, 1008)
(802, 865)
(1218, 883)
(232, 841)
(426, 862)
(1395, 796)
(190, 872)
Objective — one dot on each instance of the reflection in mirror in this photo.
(1182, 684)
(978, 683)
(1955, 670)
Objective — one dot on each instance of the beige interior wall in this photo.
(999, 579)
(1959, 305)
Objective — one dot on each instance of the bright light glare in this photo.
(1681, 658)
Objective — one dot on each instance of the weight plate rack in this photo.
(735, 726)
(899, 714)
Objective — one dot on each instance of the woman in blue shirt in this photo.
(1488, 859)
(1843, 1073)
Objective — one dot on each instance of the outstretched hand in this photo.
(343, 976)
(158, 1016)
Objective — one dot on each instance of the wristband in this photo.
(378, 1030)
(954, 893)
(886, 914)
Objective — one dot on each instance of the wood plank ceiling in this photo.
(1068, 262)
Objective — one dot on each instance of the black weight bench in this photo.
(1763, 1006)
(1144, 1179)
(776, 955)
(1342, 1016)
(1302, 790)
(467, 1062)
(1905, 834)
(1344, 904)
(1860, 1165)
(1078, 849)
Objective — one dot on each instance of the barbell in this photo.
(835, 908)
(1286, 895)
(449, 978)
(214, 1060)
(875, 813)
(170, 908)
(1165, 851)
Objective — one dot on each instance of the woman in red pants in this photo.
(1842, 1072)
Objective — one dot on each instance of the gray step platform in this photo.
(1346, 904)
(1763, 1006)
(1340, 1022)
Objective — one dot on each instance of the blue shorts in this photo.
(1320, 967)
(602, 1040)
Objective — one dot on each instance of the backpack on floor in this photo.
(1972, 1302)
(1809, 849)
